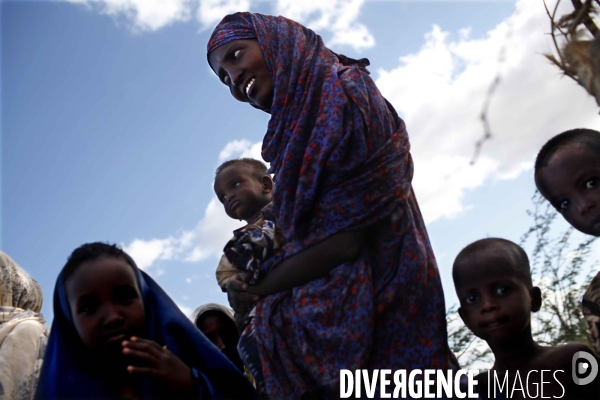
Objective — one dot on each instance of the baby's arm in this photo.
(313, 263)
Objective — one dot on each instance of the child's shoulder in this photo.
(561, 357)
(566, 358)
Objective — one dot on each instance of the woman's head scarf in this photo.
(67, 368)
(17, 288)
(199, 312)
(324, 107)
(23, 333)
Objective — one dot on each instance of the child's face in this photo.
(106, 304)
(222, 334)
(242, 195)
(241, 66)
(570, 183)
(495, 303)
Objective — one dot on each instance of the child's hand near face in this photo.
(158, 363)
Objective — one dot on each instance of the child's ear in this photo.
(536, 298)
(267, 184)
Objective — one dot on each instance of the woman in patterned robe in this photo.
(341, 163)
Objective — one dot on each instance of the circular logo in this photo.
(584, 368)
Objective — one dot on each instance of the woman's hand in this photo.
(159, 363)
(239, 299)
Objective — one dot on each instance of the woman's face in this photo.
(241, 66)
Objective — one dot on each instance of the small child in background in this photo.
(116, 334)
(493, 283)
(217, 324)
(567, 174)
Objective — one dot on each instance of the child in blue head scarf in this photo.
(116, 334)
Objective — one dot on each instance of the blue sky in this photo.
(113, 123)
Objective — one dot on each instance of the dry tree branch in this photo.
(577, 57)
(583, 17)
(555, 27)
(483, 116)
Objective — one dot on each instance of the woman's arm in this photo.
(310, 264)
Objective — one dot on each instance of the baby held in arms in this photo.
(245, 190)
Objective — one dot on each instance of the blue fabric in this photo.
(66, 370)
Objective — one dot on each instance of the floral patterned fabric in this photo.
(340, 155)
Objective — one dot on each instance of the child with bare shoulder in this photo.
(567, 174)
(493, 282)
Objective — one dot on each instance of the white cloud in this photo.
(240, 149)
(146, 252)
(205, 240)
(340, 17)
(144, 15)
(210, 12)
(440, 91)
(210, 234)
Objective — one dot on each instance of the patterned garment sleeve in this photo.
(250, 247)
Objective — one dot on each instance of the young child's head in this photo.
(567, 174)
(116, 334)
(103, 297)
(243, 187)
(493, 283)
(218, 325)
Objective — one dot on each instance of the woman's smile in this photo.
(249, 86)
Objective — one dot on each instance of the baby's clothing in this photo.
(249, 247)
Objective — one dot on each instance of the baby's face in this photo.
(495, 303)
(241, 194)
(570, 183)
